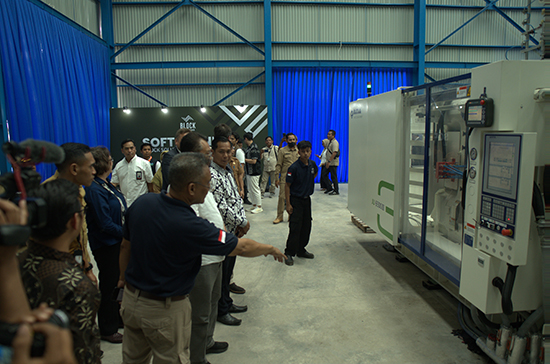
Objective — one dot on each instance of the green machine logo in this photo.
(381, 206)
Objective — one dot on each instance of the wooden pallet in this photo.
(361, 225)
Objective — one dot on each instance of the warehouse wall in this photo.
(313, 31)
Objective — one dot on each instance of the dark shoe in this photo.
(328, 191)
(236, 289)
(218, 347)
(237, 309)
(306, 255)
(289, 260)
(333, 193)
(247, 202)
(227, 319)
(115, 338)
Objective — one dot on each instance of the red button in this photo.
(482, 102)
(507, 232)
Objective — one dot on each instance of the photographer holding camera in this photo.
(14, 307)
(51, 274)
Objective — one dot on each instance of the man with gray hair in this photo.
(160, 257)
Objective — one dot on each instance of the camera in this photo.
(14, 186)
(8, 332)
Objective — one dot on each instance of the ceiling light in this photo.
(203, 109)
(126, 110)
(164, 109)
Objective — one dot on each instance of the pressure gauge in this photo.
(473, 154)
(472, 173)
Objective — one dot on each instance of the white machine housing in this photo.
(391, 189)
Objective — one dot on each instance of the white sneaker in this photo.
(257, 210)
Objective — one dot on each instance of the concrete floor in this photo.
(353, 303)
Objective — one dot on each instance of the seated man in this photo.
(51, 274)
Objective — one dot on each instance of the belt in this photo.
(152, 296)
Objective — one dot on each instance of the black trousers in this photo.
(107, 262)
(333, 177)
(299, 225)
(323, 182)
(226, 301)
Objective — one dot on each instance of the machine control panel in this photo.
(479, 112)
(498, 215)
(504, 215)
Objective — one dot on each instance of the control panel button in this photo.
(507, 232)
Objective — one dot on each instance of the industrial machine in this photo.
(452, 175)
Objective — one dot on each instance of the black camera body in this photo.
(8, 332)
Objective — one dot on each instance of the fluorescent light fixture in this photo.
(164, 109)
(126, 110)
(203, 109)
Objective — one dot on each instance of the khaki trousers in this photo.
(281, 204)
(158, 328)
(265, 176)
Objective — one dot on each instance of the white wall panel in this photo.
(441, 73)
(83, 12)
(190, 75)
(191, 96)
(489, 28)
(187, 24)
(189, 53)
(342, 23)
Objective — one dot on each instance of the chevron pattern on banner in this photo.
(255, 114)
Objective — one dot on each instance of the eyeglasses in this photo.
(210, 186)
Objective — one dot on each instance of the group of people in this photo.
(172, 253)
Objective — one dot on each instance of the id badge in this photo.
(139, 175)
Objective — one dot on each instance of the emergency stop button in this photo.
(507, 232)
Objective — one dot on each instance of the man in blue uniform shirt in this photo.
(300, 179)
(160, 257)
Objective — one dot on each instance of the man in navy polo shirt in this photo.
(160, 257)
(300, 179)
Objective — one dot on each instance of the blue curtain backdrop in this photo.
(309, 102)
(56, 79)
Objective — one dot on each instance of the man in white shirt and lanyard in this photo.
(268, 155)
(132, 173)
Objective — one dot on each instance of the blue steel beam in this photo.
(194, 44)
(336, 64)
(139, 90)
(463, 25)
(419, 45)
(184, 2)
(107, 34)
(268, 64)
(191, 84)
(430, 77)
(227, 28)
(188, 64)
(239, 89)
(511, 21)
(337, 3)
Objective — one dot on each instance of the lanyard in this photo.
(122, 207)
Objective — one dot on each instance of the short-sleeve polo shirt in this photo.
(167, 240)
(301, 178)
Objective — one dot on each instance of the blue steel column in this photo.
(268, 64)
(107, 33)
(419, 45)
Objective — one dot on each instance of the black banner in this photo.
(152, 125)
